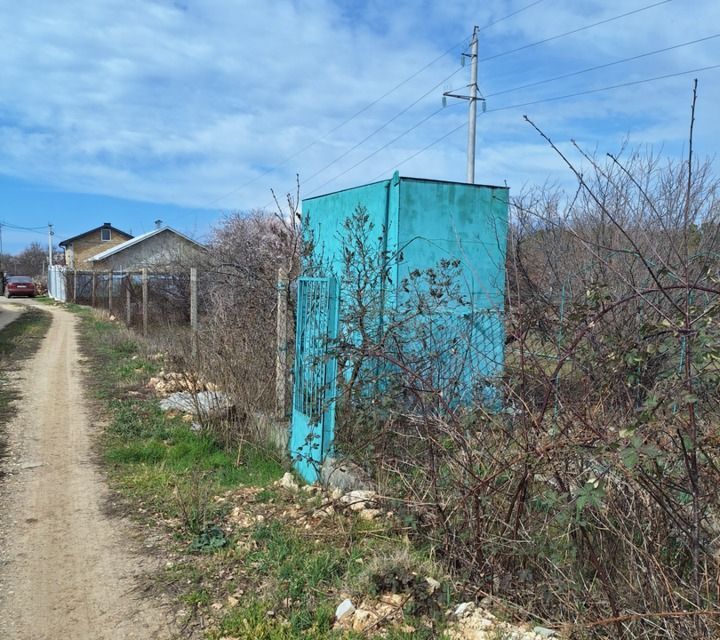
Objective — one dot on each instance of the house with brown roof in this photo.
(79, 249)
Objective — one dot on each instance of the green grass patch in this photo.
(298, 577)
(18, 341)
(253, 621)
(21, 338)
(155, 458)
(298, 561)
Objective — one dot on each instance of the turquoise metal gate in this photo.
(313, 415)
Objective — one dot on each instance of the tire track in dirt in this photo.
(65, 568)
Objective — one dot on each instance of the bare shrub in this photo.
(236, 345)
(589, 496)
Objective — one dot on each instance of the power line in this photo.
(551, 99)
(381, 127)
(555, 37)
(510, 15)
(15, 227)
(631, 83)
(417, 153)
(385, 146)
(573, 31)
(414, 75)
(601, 66)
(343, 123)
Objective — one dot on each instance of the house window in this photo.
(105, 234)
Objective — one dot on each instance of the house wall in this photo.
(89, 245)
(159, 252)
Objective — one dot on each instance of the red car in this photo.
(19, 286)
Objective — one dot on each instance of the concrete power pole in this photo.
(50, 235)
(472, 115)
(473, 98)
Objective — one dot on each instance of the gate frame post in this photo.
(145, 301)
(128, 300)
(281, 354)
(194, 310)
(110, 290)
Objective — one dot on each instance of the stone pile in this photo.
(166, 383)
(209, 404)
(386, 609)
(473, 622)
(362, 502)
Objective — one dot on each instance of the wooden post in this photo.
(75, 279)
(145, 301)
(128, 301)
(110, 290)
(94, 285)
(281, 355)
(194, 309)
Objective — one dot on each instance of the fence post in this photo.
(75, 281)
(194, 309)
(128, 301)
(281, 354)
(145, 301)
(94, 285)
(110, 290)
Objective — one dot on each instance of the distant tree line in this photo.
(31, 261)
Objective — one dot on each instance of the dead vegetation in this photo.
(582, 492)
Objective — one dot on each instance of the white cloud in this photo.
(166, 102)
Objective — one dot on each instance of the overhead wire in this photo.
(601, 66)
(343, 123)
(620, 85)
(15, 227)
(421, 151)
(381, 127)
(382, 148)
(573, 31)
(510, 15)
(434, 113)
(550, 99)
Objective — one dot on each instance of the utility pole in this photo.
(51, 233)
(472, 98)
(472, 116)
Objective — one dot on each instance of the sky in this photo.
(130, 111)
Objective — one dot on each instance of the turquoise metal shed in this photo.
(418, 223)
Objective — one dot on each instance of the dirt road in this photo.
(66, 569)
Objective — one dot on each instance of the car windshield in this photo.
(19, 279)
